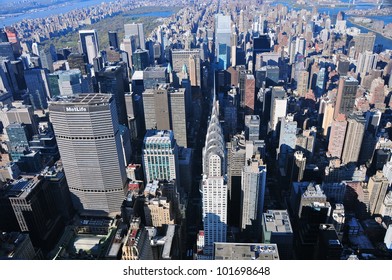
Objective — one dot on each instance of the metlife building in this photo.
(87, 133)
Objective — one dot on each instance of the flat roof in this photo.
(83, 99)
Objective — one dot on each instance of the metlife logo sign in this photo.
(75, 109)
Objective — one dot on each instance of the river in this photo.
(49, 11)
(333, 11)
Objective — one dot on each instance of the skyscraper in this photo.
(354, 136)
(278, 107)
(254, 175)
(88, 137)
(140, 59)
(160, 156)
(112, 80)
(89, 44)
(213, 186)
(377, 186)
(191, 59)
(337, 135)
(345, 99)
(37, 85)
(135, 30)
(113, 39)
(252, 127)
(222, 31)
(164, 109)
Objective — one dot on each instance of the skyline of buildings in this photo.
(232, 131)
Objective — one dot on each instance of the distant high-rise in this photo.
(191, 59)
(252, 127)
(278, 107)
(37, 85)
(135, 30)
(164, 109)
(222, 31)
(366, 61)
(140, 59)
(345, 99)
(89, 44)
(89, 142)
(111, 80)
(65, 82)
(154, 75)
(363, 42)
(160, 156)
(113, 39)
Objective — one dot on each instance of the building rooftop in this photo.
(83, 99)
(245, 251)
(277, 221)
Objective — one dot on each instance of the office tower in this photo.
(88, 138)
(77, 61)
(155, 75)
(158, 212)
(326, 111)
(140, 60)
(236, 158)
(37, 86)
(160, 156)
(363, 42)
(277, 230)
(288, 134)
(223, 57)
(298, 167)
(254, 175)
(366, 62)
(343, 65)
(278, 107)
(137, 242)
(18, 142)
(252, 127)
(300, 45)
(89, 44)
(192, 61)
(20, 114)
(354, 136)
(328, 246)
(164, 109)
(377, 95)
(306, 142)
(157, 53)
(320, 83)
(337, 136)
(249, 93)
(136, 31)
(112, 80)
(16, 245)
(377, 186)
(345, 99)
(113, 40)
(213, 186)
(28, 206)
(222, 31)
(46, 60)
(6, 51)
(313, 210)
(65, 82)
(54, 177)
(245, 251)
(302, 83)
